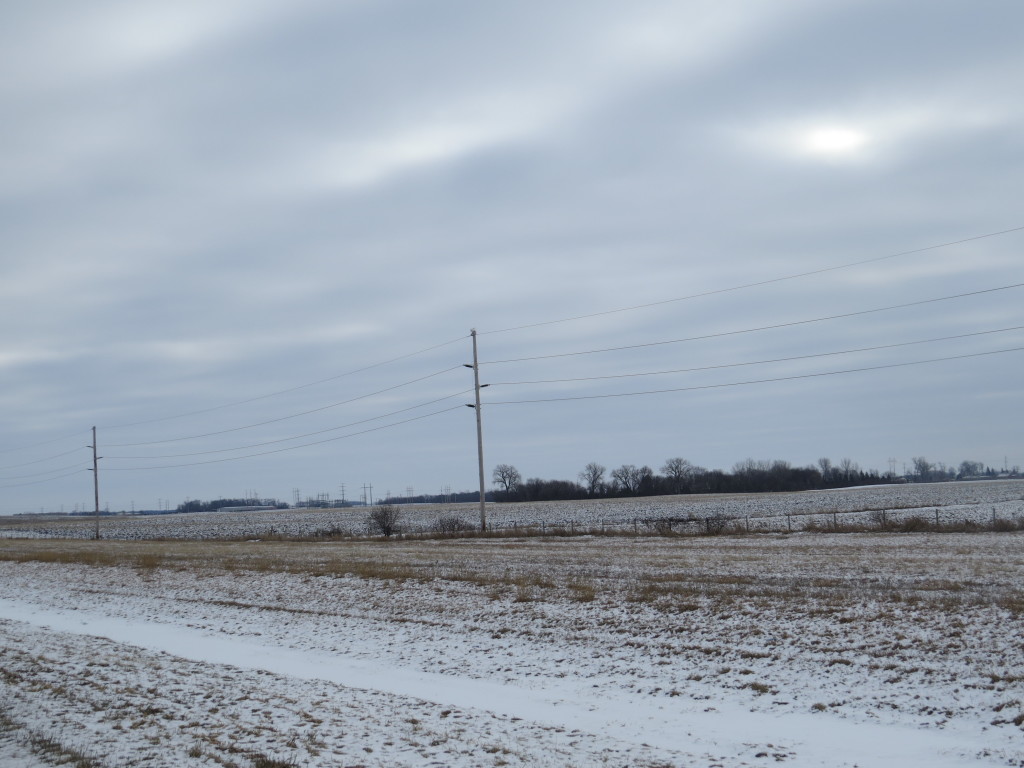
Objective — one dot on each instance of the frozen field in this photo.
(945, 503)
(807, 650)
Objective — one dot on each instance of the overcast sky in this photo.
(232, 217)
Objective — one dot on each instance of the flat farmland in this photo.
(808, 649)
(974, 503)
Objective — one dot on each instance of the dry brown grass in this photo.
(677, 574)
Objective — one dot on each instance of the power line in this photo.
(753, 330)
(290, 448)
(755, 381)
(754, 362)
(295, 437)
(285, 418)
(291, 389)
(44, 442)
(46, 480)
(37, 474)
(755, 284)
(40, 461)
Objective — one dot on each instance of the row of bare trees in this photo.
(678, 475)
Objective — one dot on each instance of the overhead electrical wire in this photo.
(40, 461)
(46, 472)
(291, 389)
(754, 362)
(756, 284)
(46, 480)
(285, 418)
(295, 437)
(755, 381)
(289, 448)
(568, 354)
(751, 330)
(75, 435)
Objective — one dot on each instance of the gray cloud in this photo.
(202, 206)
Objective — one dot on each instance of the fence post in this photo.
(789, 522)
(748, 523)
(936, 517)
(835, 520)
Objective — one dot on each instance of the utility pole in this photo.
(479, 433)
(96, 481)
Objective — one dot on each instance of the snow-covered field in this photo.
(834, 650)
(945, 503)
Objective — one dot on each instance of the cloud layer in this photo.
(208, 204)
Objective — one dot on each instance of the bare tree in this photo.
(922, 469)
(971, 468)
(592, 478)
(679, 472)
(507, 477)
(827, 470)
(847, 467)
(631, 479)
(623, 477)
(384, 519)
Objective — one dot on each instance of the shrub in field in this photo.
(452, 524)
(384, 519)
(915, 525)
(660, 525)
(1005, 526)
(715, 524)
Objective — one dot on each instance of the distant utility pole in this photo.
(96, 480)
(479, 432)
(368, 499)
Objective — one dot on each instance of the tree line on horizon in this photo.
(678, 476)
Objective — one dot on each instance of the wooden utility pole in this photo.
(96, 480)
(479, 433)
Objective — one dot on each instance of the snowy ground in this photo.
(808, 650)
(976, 502)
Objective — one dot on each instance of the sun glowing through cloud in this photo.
(833, 141)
